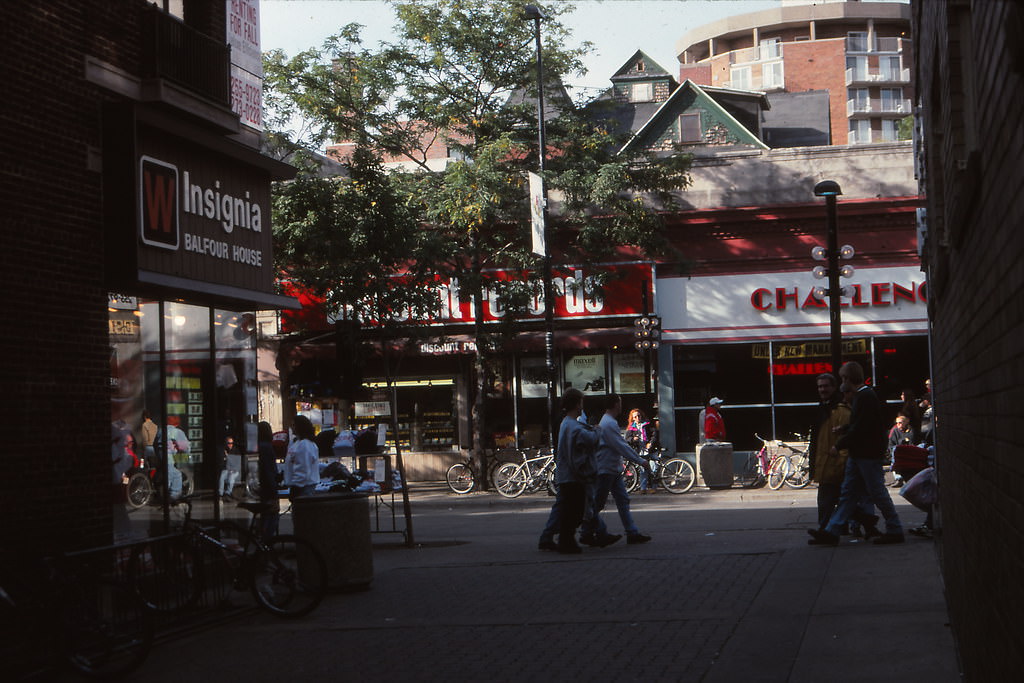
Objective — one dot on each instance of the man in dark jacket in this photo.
(865, 437)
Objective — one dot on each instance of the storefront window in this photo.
(769, 387)
(628, 373)
(587, 372)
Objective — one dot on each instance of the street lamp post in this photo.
(536, 14)
(829, 189)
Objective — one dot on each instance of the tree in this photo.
(460, 74)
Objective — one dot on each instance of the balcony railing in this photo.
(883, 76)
(876, 106)
(869, 137)
(760, 53)
(179, 53)
(879, 44)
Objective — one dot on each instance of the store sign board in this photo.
(202, 216)
(243, 34)
(759, 305)
(372, 408)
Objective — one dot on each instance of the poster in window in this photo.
(628, 370)
(533, 381)
(586, 373)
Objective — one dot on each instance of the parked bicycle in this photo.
(461, 477)
(799, 475)
(144, 482)
(535, 472)
(767, 466)
(286, 574)
(675, 475)
(53, 613)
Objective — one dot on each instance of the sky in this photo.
(617, 28)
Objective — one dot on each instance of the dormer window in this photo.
(641, 92)
(640, 65)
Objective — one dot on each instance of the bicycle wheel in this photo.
(108, 631)
(289, 578)
(165, 574)
(677, 475)
(510, 480)
(750, 476)
(799, 471)
(777, 472)
(140, 490)
(460, 478)
(188, 485)
(630, 477)
(550, 478)
(252, 486)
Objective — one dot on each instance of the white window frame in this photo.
(860, 131)
(890, 130)
(641, 92)
(735, 83)
(700, 128)
(772, 75)
(769, 48)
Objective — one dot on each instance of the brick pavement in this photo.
(728, 590)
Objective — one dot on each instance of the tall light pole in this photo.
(536, 14)
(829, 189)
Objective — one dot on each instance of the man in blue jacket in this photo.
(865, 437)
(574, 468)
(610, 453)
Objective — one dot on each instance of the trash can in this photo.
(714, 462)
(338, 524)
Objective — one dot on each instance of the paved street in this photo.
(728, 590)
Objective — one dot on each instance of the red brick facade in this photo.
(970, 70)
(55, 458)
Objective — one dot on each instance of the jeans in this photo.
(864, 479)
(609, 483)
(174, 481)
(228, 479)
(574, 499)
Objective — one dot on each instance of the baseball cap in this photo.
(715, 401)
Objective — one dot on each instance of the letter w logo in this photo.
(158, 199)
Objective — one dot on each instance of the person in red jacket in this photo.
(714, 425)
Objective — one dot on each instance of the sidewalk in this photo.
(728, 590)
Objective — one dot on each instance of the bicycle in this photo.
(286, 574)
(53, 613)
(461, 477)
(799, 475)
(512, 479)
(675, 475)
(144, 481)
(766, 466)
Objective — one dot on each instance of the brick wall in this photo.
(55, 457)
(970, 73)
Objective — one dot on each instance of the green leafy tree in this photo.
(460, 76)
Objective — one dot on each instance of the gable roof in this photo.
(703, 95)
(652, 70)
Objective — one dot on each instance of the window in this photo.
(771, 75)
(641, 92)
(889, 130)
(892, 99)
(889, 68)
(770, 48)
(740, 77)
(860, 131)
(857, 68)
(690, 128)
(857, 41)
(859, 98)
(640, 66)
(173, 7)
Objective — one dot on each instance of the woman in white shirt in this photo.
(302, 464)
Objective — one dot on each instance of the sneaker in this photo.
(924, 531)
(821, 537)
(633, 539)
(547, 544)
(607, 539)
(589, 539)
(889, 539)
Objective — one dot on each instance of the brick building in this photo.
(970, 67)
(859, 52)
(121, 119)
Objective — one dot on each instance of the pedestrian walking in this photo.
(612, 450)
(865, 438)
(232, 469)
(575, 467)
(828, 468)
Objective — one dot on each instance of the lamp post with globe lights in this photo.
(829, 189)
